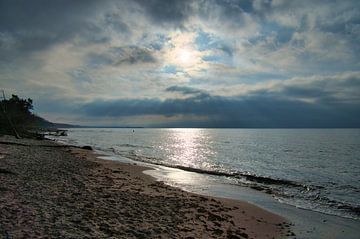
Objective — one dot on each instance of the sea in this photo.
(314, 169)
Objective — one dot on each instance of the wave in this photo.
(133, 146)
(237, 174)
(292, 191)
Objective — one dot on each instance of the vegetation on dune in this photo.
(17, 118)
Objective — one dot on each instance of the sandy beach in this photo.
(54, 191)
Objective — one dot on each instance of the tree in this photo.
(15, 114)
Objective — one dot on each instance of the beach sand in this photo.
(57, 191)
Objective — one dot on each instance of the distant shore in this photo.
(51, 190)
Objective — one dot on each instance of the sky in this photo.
(185, 63)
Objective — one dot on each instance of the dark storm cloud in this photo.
(262, 108)
(184, 90)
(338, 89)
(194, 93)
(170, 11)
(176, 12)
(260, 111)
(232, 8)
(115, 21)
(231, 13)
(34, 25)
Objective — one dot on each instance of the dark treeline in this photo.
(16, 117)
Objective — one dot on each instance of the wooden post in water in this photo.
(3, 110)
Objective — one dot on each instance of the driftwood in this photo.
(5, 171)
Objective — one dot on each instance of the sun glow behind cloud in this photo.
(182, 53)
(185, 56)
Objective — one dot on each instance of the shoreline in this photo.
(306, 224)
(66, 192)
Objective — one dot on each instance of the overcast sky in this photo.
(205, 63)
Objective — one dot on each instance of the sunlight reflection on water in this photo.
(189, 147)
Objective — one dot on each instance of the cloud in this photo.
(260, 111)
(184, 90)
(312, 102)
(36, 25)
(167, 12)
(340, 88)
(193, 93)
(132, 55)
(214, 61)
(304, 37)
(230, 19)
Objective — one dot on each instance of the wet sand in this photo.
(51, 190)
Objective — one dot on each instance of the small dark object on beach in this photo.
(5, 171)
(40, 136)
(87, 147)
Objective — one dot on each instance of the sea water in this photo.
(316, 169)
